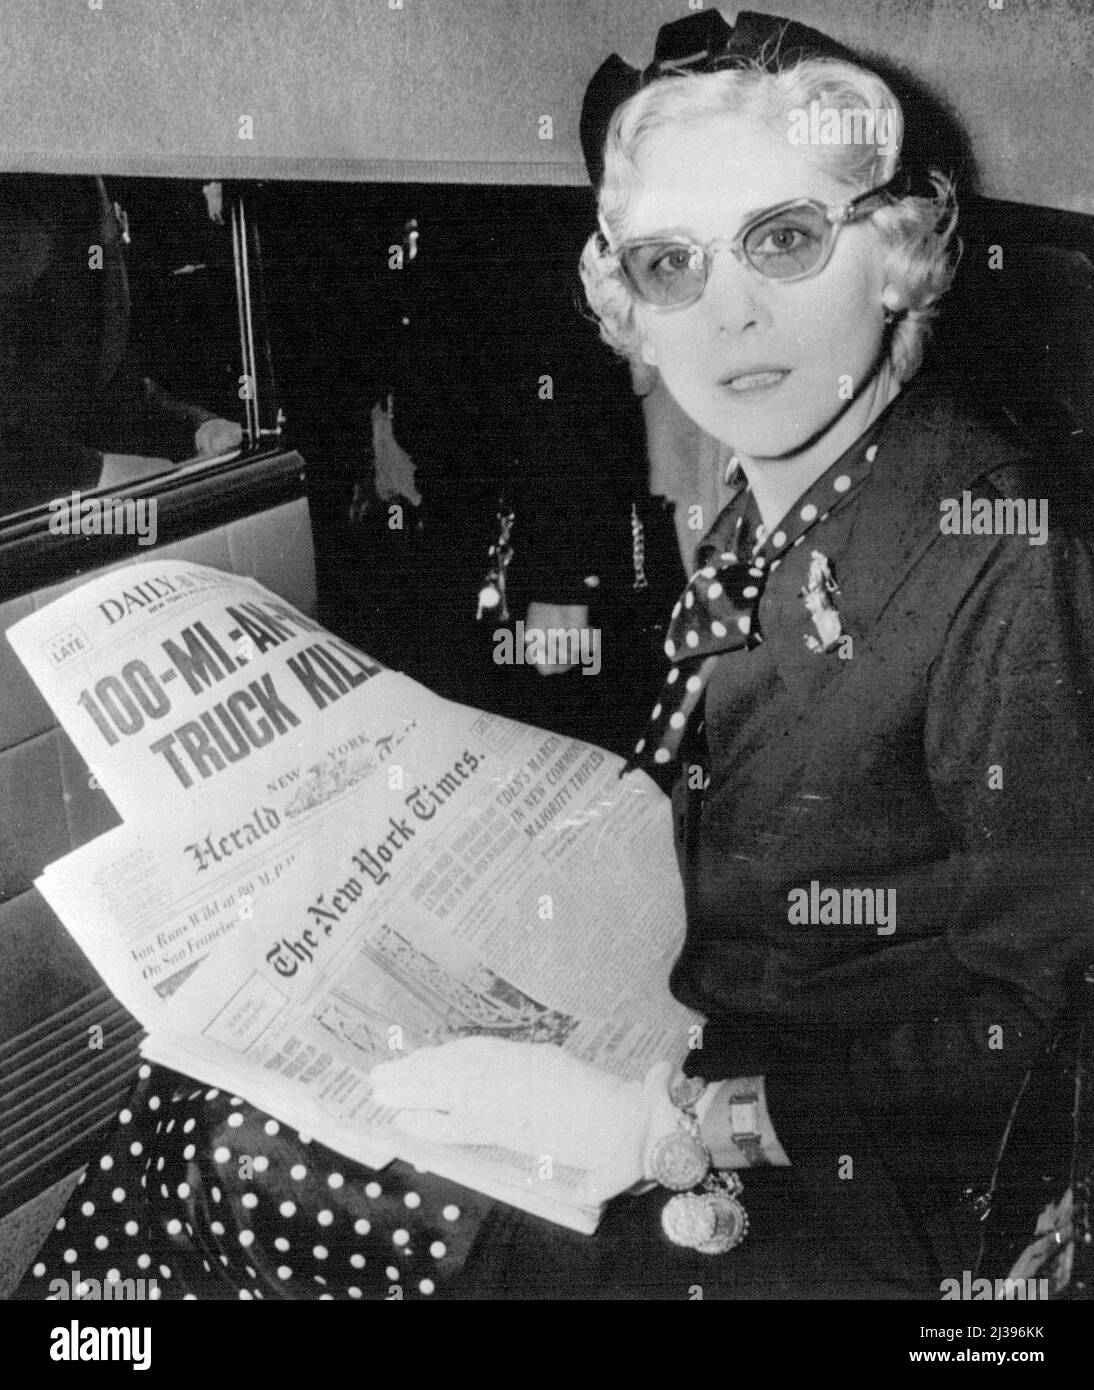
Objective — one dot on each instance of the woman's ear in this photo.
(643, 377)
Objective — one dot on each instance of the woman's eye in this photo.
(784, 240)
(676, 260)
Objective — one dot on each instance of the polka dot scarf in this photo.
(719, 610)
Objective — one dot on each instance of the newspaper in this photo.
(188, 689)
(478, 929)
(390, 871)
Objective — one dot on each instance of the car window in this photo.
(119, 343)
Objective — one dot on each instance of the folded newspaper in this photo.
(322, 865)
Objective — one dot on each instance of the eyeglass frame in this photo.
(836, 215)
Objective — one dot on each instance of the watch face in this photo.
(744, 1116)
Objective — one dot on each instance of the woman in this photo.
(879, 735)
(889, 708)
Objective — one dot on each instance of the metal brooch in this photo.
(819, 588)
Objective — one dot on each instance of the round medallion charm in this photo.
(730, 1223)
(489, 596)
(679, 1161)
(686, 1091)
(689, 1221)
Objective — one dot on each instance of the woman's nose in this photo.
(734, 298)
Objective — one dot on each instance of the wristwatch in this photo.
(744, 1123)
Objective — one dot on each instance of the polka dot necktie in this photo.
(718, 612)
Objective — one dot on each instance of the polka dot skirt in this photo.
(204, 1197)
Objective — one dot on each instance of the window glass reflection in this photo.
(118, 356)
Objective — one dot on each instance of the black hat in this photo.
(702, 42)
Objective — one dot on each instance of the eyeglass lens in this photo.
(783, 246)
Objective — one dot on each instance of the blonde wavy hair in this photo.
(922, 252)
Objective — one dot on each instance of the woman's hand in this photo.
(532, 1097)
(217, 436)
(559, 617)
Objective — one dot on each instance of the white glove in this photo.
(532, 1097)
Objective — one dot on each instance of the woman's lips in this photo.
(748, 383)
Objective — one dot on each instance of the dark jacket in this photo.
(950, 759)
